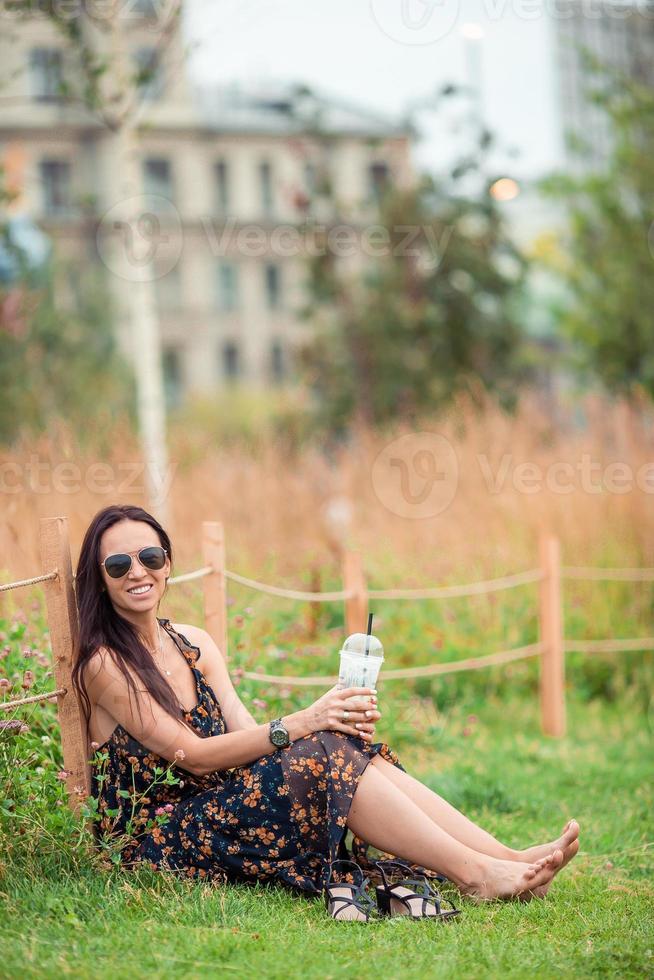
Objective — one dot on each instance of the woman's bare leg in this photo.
(464, 830)
(389, 820)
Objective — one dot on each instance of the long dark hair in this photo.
(100, 625)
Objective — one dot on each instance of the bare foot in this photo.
(569, 835)
(509, 879)
(568, 855)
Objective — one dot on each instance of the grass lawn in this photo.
(60, 916)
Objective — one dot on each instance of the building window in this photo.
(157, 179)
(56, 185)
(149, 73)
(221, 186)
(145, 8)
(172, 376)
(266, 187)
(310, 179)
(227, 286)
(46, 74)
(273, 286)
(168, 290)
(378, 181)
(277, 362)
(231, 360)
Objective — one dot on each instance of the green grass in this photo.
(61, 916)
(478, 744)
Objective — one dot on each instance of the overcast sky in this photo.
(387, 54)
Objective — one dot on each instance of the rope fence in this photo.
(430, 670)
(355, 594)
(250, 583)
(6, 705)
(29, 581)
(610, 574)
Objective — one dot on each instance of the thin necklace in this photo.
(163, 669)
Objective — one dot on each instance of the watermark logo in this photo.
(140, 239)
(415, 22)
(125, 479)
(421, 22)
(416, 476)
(423, 243)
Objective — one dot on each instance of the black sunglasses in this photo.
(118, 565)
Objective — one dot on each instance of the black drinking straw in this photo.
(367, 650)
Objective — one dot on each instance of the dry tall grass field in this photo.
(459, 497)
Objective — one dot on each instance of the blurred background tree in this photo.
(58, 352)
(432, 308)
(606, 253)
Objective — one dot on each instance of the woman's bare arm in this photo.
(175, 742)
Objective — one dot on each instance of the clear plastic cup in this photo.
(359, 668)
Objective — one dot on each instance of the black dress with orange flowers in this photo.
(282, 817)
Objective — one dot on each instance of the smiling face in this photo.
(141, 589)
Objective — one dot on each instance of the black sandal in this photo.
(345, 900)
(412, 896)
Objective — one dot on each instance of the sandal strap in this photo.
(420, 884)
(363, 903)
(359, 897)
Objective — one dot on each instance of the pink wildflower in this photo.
(180, 754)
(169, 808)
(62, 775)
(28, 680)
(4, 684)
(258, 703)
(95, 745)
(159, 811)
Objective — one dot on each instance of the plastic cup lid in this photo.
(358, 643)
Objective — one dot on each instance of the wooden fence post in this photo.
(356, 607)
(313, 608)
(552, 661)
(63, 625)
(214, 586)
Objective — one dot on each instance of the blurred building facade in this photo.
(620, 35)
(246, 173)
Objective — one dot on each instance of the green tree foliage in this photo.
(58, 358)
(433, 310)
(606, 256)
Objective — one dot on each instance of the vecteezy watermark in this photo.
(140, 239)
(41, 477)
(416, 476)
(151, 14)
(420, 22)
(564, 477)
(415, 21)
(341, 240)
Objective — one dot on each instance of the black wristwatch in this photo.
(278, 734)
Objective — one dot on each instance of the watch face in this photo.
(279, 736)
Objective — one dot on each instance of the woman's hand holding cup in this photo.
(334, 711)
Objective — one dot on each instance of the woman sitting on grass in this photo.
(253, 802)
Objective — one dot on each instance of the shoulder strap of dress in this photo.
(191, 652)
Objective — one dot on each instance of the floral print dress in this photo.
(282, 817)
